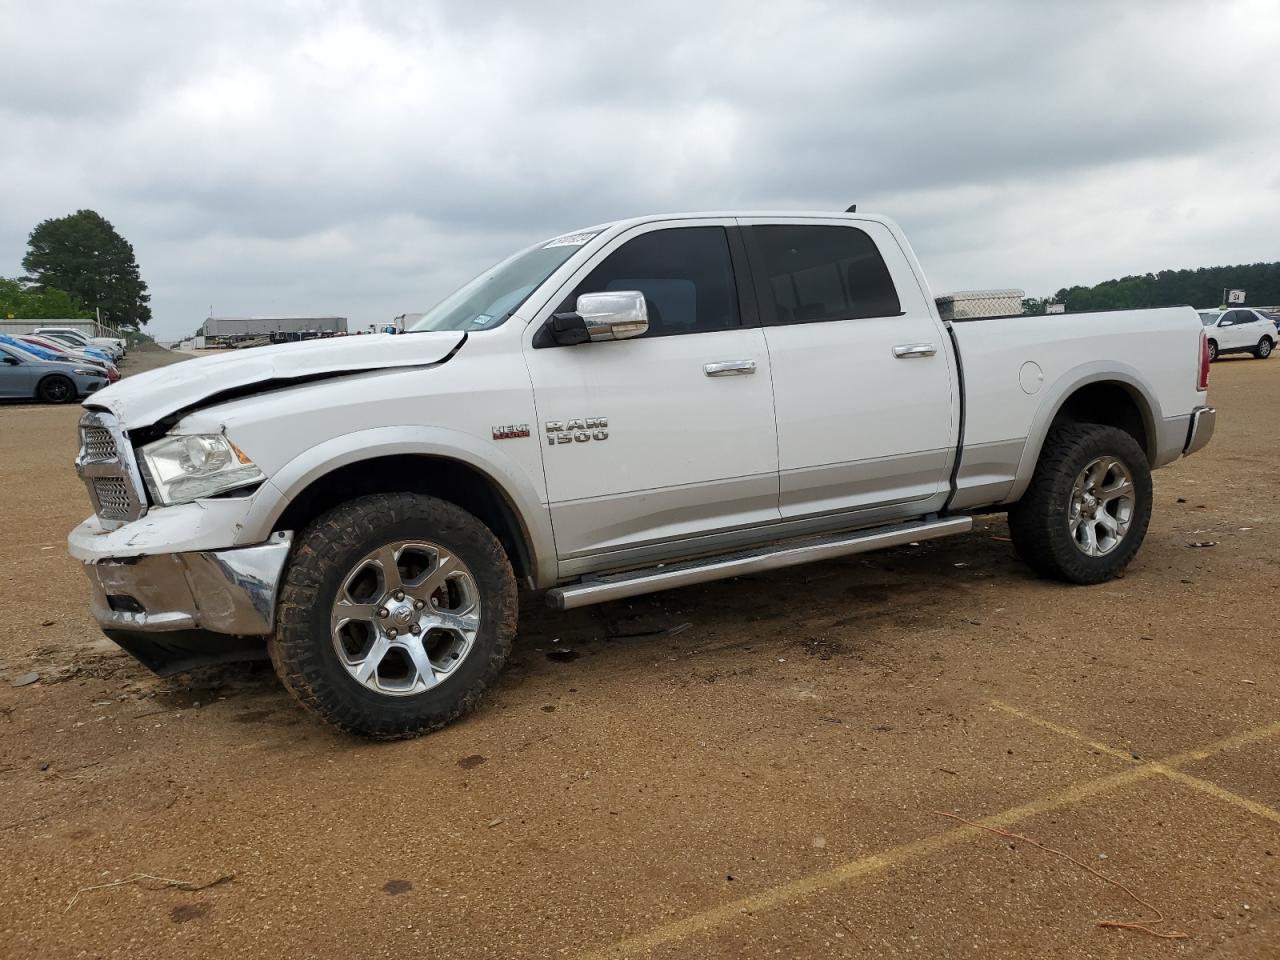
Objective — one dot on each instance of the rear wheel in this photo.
(1086, 511)
(56, 388)
(1263, 349)
(1213, 350)
(396, 614)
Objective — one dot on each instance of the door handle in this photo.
(904, 351)
(729, 368)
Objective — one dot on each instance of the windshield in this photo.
(497, 293)
(1209, 319)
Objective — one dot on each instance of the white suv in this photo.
(1240, 330)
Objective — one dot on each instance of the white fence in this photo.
(16, 328)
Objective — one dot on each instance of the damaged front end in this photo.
(173, 580)
(175, 611)
(172, 611)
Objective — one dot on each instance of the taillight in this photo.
(1204, 362)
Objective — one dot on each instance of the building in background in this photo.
(225, 331)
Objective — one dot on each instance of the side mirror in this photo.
(617, 315)
(1224, 322)
(11, 361)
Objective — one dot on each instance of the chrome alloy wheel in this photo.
(1101, 507)
(405, 617)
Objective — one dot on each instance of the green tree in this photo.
(84, 255)
(1036, 306)
(24, 302)
(1201, 288)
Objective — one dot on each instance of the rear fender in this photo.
(1100, 371)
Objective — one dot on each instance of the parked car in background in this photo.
(42, 352)
(64, 351)
(24, 376)
(114, 346)
(78, 344)
(1239, 330)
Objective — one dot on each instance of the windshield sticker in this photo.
(568, 240)
(481, 320)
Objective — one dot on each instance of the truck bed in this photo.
(1018, 370)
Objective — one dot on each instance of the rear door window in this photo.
(815, 273)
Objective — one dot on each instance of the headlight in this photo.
(87, 373)
(184, 468)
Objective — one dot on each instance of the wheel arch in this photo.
(50, 375)
(1098, 393)
(437, 462)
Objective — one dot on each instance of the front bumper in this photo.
(174, 611)
(1200, 432)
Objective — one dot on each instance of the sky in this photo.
(308, 157)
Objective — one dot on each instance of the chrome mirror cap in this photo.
(615, 315)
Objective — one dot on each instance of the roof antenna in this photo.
(853, 208)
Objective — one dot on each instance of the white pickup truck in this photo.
(627, 408)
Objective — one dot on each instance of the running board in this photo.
(790, 554)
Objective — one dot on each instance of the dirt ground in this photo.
(753, 768)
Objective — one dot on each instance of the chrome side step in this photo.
(790, 554)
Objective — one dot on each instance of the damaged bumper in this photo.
(175, 611)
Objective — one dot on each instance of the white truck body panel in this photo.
(1019, 370)
(157, 393)
(682, 447)
(833, 431)
(857, 426)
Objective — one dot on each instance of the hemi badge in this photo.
(511, 431)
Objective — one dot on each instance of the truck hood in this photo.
(141, 400)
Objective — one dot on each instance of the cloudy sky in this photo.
(315, 156)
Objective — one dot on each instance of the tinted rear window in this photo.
(816, 273)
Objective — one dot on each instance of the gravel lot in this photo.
(747, 769)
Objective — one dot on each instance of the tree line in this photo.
(1201, 288)
(78, 266)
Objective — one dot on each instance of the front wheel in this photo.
(1213, 350)
(1263, 349)
(56, 388)
(396, 614)
(1086, 511)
